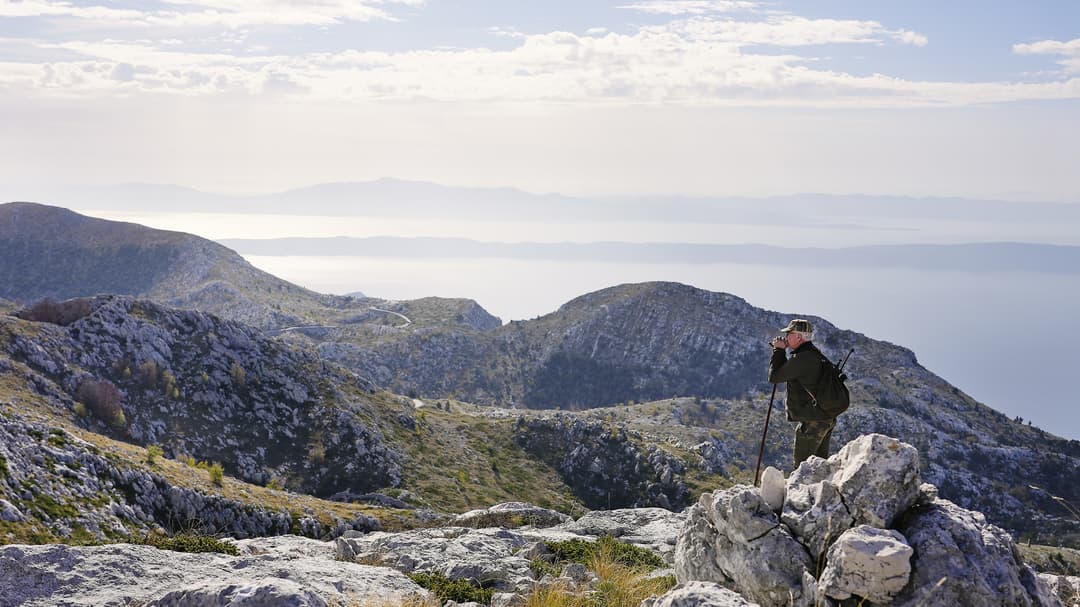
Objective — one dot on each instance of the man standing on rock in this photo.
(802, 372)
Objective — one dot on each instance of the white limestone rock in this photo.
(654, 528)
(511, 514)
(701, 594)
(738, 539)
(1065, 588)
(962, 561)
(9, 513)
(264, 593)
(485, 556)
(773, 489)
(867, 562)
(877, 476)
(123, 574)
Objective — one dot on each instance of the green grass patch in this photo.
(57, 437)
(3, 467)
(446, 589)
(55, 510)
(585, 552)
(187, 542)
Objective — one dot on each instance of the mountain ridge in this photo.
(695, 357)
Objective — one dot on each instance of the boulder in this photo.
(963, 561)
(877, 475)
(841, 508)
(739, 539)
(511, 514)
(701, 594)
(871, 563)
(773, 490)
(9, 513)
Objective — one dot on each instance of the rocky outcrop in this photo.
(499, 557)
(1065, 588)
(731, 549)
(606, 467)
(218, 391)
(864, 520)
(287, 572)
(70, 485)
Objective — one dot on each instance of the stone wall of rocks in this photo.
(858, 526)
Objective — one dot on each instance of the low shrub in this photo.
(217, 473)
(152, 453)
(187, 542)
(461, 591)
(103, 399)
(58, 313)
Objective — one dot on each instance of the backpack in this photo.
(832, 395)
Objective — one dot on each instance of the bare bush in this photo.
(57, 312)
(103, 399)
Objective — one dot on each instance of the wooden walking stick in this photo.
(761, 453)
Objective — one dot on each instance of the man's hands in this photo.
(779, 342)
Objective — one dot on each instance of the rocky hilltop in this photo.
(858, 528)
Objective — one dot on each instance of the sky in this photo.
(585, 97)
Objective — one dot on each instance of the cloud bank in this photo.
(702, 53)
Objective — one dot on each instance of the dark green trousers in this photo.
(812, 438)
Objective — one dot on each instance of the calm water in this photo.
(1001, 337)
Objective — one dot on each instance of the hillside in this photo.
(302, 406)
(203, 388)
(51, 252)
(658, 341)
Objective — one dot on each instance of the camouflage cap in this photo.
(798, 325)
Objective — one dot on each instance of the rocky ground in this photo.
(860, 528)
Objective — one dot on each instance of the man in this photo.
(802, 372)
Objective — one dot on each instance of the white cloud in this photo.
(212, 13)
(696, 61)
(689, 7)
(1070, 49)
(790, 30)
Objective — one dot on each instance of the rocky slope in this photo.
(212, 389)
(660, 340)
(273, 413)
(888, 538)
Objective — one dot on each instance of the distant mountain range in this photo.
(964, 257)
(694, 358)
(398, 198)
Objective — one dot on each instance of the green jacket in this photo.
(801, 372)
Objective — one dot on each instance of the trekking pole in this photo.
(840, 367)
(761, 453)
